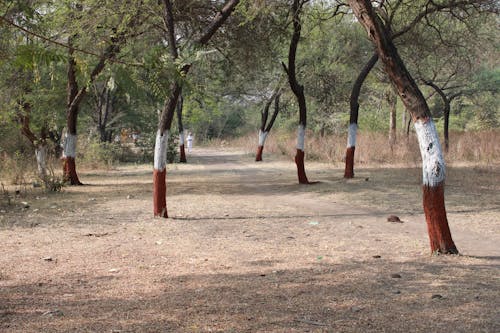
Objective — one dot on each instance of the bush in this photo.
(95, 154)
(172, 149)
(16, 168)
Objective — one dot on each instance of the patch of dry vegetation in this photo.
(373, 149)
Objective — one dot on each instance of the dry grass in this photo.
(247, 249)
(372, 149)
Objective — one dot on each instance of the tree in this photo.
(297, 89)
(265, 126)
(411, 96)
(400, 18)
(451, 48)
(165, 122)
(31, 77)
(118, 34)
(353, 118)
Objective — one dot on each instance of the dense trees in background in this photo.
(234, 76)
(103, 69)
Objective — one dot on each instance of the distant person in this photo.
(190, 142)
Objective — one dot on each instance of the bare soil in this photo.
(247, 249)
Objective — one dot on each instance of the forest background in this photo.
(452, 51)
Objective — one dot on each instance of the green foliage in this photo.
(172, 147)
(53, 182)
(233, 75)
(28, 56)
(374, 120)
(99, 154)
(488, 80)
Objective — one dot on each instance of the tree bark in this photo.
(69, 151)
(353, 117)
(433, 166)
(299, 156)
(260, 147)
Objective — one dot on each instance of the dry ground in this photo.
(248, 250)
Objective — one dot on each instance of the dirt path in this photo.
(248, 250)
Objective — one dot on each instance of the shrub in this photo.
(95, 154)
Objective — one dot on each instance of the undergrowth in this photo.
(372, 148)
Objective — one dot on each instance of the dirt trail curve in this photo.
(247, 249)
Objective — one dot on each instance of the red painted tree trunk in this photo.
(258, 156)
(349, 162)
(437, 223)
(160, 193)
(301, 171)
(69, 167)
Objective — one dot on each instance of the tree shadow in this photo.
(361, 296)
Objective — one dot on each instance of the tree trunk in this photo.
(433, 166)
(353, 117)
(160, 175)
(298, 91)
(264, 130)
(180, 125)
(70, 139)
(299, 156)
(351, 147)
(40, 144)
(260, 148)
(433, 188)
(392, 101)
(69, 165)
(182, 148)
(41, 160)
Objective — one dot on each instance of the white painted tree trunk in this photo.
(262, 137)
(301, 135)
(181, 138)
(41, 160)
(351, 135)
(160, 155)
(69, 145)
(433, 165)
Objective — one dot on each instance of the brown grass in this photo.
(373, 149)
(247, 249)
